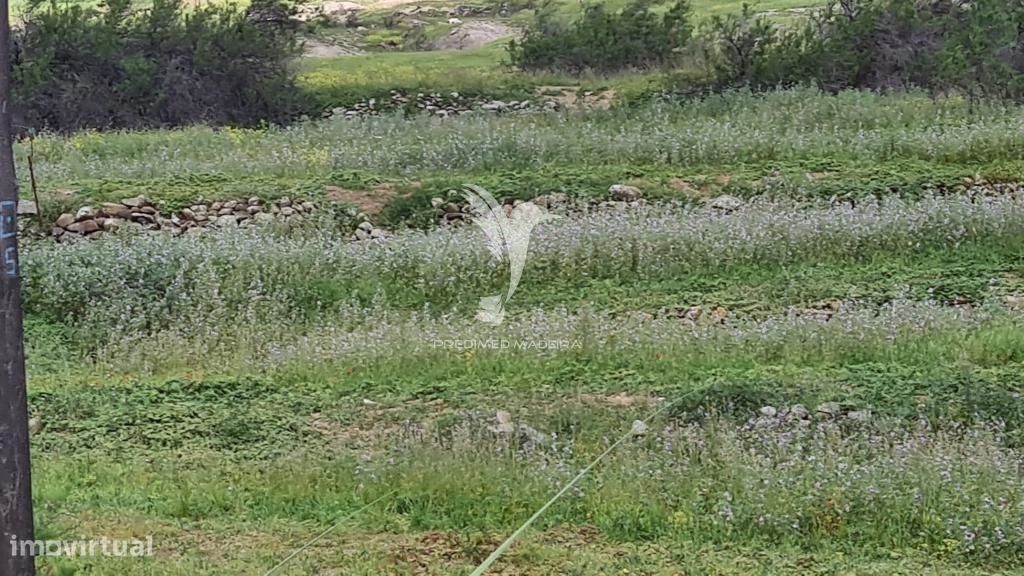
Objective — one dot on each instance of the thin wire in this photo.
(321, 535)
(483, 567)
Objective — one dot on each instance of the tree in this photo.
(15, 478)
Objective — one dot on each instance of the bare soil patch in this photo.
(370, 201)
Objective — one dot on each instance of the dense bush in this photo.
(975, 48)
(602, 41)
(77, 67)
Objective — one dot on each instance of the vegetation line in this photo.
(321, 535)
(637, 428)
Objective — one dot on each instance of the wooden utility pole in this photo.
(15, 476)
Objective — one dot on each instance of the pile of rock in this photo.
(140, 213)
(436, 104)
(136, 212)
(367, 231)
(243, 213)
(620, 197)
(332, 12)
(469, 10)
(800, 413)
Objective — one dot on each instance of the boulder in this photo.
(624, 193)
(84, 227)
(65, 220)
(113, 210)
(85, 213)
(136, 202)
(828, 409)
(726, 203)
(27, 208)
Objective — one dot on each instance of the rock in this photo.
(768, 411)
(829, 409)
(859, 415)
(554, 200)
(378, 233)
(436, 202)
(136, 202)
(639, 428)
(143, 218)
(263, 217)
(216, 206)
(719, 314)
(115, 210)
(799, 412)
(613, 204)
(225, 211)
(85, 213)
(1014, 302)
(308, 206)
(199, 208)
(287, 211)
(726, 203)
(65, 219)
(149, 210)
(624, 193)
(188, 214)
(253, 201)
(56, 231)
(229, 205)
(27, 208)
(451, 208)
(35, 425)
(84, 227)
(254, 209)
(504, 425)
(111, 224)
(286, 201)
(226, 221)
(365, 226)
(361, 234)
(531, 434)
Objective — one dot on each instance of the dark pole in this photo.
(15, 477)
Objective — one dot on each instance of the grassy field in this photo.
(484, 72)
(789, 144)
(835, 365)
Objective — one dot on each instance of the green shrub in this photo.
(943, 46)
(601, 41)
(114, 67)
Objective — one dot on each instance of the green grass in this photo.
(797, 143)
(235, 394)
(482, 72)
(476, 73)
